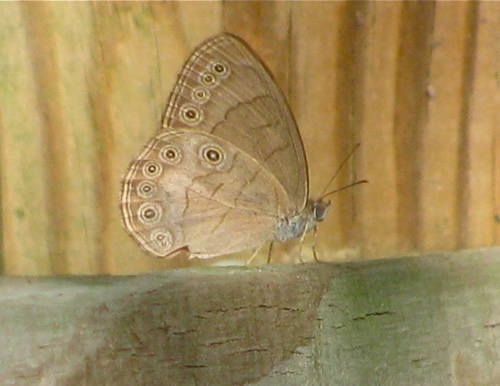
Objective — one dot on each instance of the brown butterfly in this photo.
(227, 170)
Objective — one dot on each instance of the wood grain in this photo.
(442, 132)
(417, 83)
(430, 319)
(25, 216)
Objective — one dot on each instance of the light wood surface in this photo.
(83, 85)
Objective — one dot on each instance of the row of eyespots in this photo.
(211, 155)
(151, 213)
(191, 113)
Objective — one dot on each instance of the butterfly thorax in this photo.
(297, 224)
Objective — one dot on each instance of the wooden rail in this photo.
(430, 320)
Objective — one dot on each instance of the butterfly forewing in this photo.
(225, 90)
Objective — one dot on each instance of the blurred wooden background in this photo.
(83, 86)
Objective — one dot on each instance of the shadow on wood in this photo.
(418, 320)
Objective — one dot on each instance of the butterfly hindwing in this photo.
(193, 190)
(224, 89)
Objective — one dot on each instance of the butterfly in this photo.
(227, 170)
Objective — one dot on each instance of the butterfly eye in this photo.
(170, 155)
(149, 213)
(151, 169)
(212, 154)
(200, 95)
(208, 79)
(220, 69)
(162, 239)
(146, 189)
(190, 114)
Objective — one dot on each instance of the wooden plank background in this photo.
(83, 86)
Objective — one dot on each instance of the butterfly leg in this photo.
(313, 245)
(269, 252)
(301, 243)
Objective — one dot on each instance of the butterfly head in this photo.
(319, 209)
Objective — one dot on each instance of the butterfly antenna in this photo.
(322, 195)
(344, 187)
